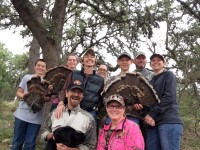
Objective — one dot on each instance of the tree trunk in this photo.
(34, 54)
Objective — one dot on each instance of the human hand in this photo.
(138, 107)
(61, 146)
(50, 87)
(149, 120)
(50, 135)
(59, 110)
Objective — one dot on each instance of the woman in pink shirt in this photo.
(121, 133)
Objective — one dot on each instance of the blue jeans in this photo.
(164, 137)
(24, 133)
(94, 114)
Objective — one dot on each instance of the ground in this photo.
(190, 138)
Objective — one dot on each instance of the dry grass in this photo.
(190, 140)
(6, 125)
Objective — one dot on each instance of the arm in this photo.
(20, 93)
(167, 95)
(64, 147)
(47, 131)
(91, 138)
(134, 139)
(61, 107)
(100, 102)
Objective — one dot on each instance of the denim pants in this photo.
(94, 114)
(24, 133)
(164, 137)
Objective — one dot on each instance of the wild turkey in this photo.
(67, 136)
(134, 88)
(38, 90)
(35, 97)
(57, 77)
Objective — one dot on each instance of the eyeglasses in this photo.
(118, 107)
(102, 70)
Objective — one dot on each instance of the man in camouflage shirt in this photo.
(140, 62)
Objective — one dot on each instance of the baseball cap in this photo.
(90, 51)
(140, 53)
(124, 54)
(157, 55)
(117, 98)
(76, 84)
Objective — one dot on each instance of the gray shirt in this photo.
(147, 74)
(23, 111)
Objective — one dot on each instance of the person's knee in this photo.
(29, 146)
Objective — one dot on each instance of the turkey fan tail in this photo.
(58, 82)
(35, 100)
(33, 81)
(111, 87)
(57, 76)
(53, 71)
(133, 87)
(150, 96)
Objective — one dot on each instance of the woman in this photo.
(71, 63)
(121, 133)
(165, 130)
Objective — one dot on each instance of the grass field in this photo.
(6, 125)
(190, 139)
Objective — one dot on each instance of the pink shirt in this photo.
(127, 136)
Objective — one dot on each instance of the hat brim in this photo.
(76, 87)
(90, 51)
(157, 55)
(114, 101)
(140, 55)
(124, 55)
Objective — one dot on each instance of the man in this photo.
(140, 64)
(93, 84)
(124, 61)
(75, 117)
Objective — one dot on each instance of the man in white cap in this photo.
(140, 64)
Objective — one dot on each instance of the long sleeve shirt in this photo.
(167, 111)
(127, 136)
(78, 119)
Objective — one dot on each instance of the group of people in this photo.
(83, 90)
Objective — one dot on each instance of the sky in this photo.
(13, 41)
(16, 44)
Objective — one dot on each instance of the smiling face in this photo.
(40, 68)
(157, 64)
(74, 97)
(140, 62)
(115, 110)
(89, 60)
(71, 62)
(124, 63)
(103, 71)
